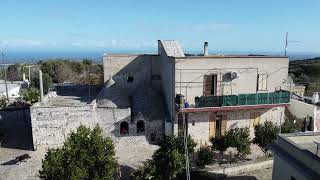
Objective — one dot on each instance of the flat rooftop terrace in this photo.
(306, 141)
(74, 95)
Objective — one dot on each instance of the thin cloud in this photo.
(19, 42)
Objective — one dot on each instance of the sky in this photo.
(136, 25)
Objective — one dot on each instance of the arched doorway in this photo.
(124, 128)
(140, 126)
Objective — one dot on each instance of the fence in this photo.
(243, 99)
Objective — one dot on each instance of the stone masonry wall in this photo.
(51, 125)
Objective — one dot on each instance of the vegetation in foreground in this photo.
(168, 162)
(84, 155)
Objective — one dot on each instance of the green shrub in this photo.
(31, 95)
(168, 164)
(205, 156)
(168, 161)
(239, 138)
(220, 144)
(144, 172)
(84, 155)
(265, 134)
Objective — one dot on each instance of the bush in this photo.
(239, 139)
(220, 144)
(168, 161)
(84, 155)
(145, 172)
(205, 156)
(31, 95)
(168, 164)
(265, 134)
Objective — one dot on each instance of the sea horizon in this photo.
(96, 55)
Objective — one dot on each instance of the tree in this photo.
(265, 134)
(31, 95)
(84, 155)
(239, 138)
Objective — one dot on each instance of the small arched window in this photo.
(124, 128)
(140, 126)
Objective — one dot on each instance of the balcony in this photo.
(281, 97)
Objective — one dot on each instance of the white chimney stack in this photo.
(315, 97)
(205, 49)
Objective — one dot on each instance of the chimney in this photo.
(41, 85)
(315, 98)
(205, 49)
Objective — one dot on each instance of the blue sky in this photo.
(229, 25)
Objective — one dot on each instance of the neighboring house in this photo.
(14, 88)
(222, 92)
(307, 109)
(296, 157)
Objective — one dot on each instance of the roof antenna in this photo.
(286, 44)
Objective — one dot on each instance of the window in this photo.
(140, 126)
(124, 128)
(262, 82)
(210, 85)
(130, 79)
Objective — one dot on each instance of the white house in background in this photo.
(14, 88)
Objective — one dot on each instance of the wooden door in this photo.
(207, 85)
(212, 125)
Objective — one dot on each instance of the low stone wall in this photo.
(51, 125)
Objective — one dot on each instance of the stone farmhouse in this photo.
(147, 95)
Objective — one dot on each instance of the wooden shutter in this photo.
(207, 85)
(212, 125)
(224, 124)
(262, 81)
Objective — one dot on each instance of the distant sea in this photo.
(35, 56)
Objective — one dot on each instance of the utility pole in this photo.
(41, 85)
(29, 80)
(5, 76)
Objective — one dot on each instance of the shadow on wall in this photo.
(15, 129)
(136, 86)
(136, 74)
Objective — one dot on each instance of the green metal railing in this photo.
(243, 99)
